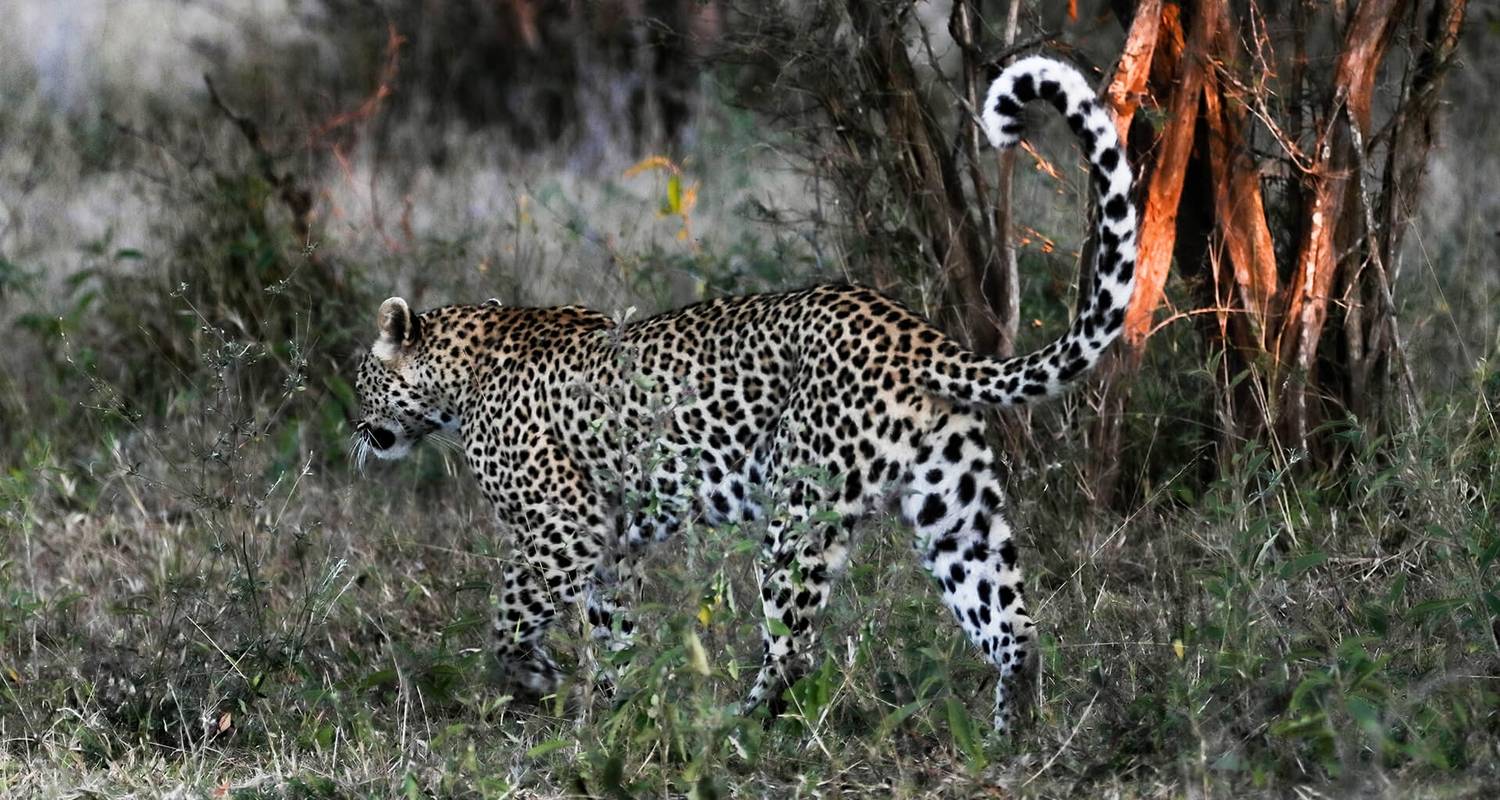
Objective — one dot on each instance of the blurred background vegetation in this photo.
(202, 204)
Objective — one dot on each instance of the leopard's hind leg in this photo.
(806, 545)
(800, 557)
(954, 502)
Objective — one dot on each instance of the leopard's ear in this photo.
(399, 329)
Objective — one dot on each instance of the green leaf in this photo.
(704, 789)
(1367, 715)
(612, 776)
(1314, 725)
(384, 677)
(1302, 563)
(965, 735)
(1229, 762)
(1489, 553)
(1398, 587)
(827, 516)
(895, 718)
(1492, 601)
(958, 723)
(777, 627)
(551, 745)
(1434, 607)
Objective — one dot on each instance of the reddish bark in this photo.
(1243, 243)
(1202, 175)
(1129, 84)
(1158, 232)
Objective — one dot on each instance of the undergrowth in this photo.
(209, 597)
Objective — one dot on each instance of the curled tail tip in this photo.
(1032, 78)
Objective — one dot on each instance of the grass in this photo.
(323, 636)
(203, 604)
(199, 596)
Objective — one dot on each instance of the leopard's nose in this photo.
(383, 439)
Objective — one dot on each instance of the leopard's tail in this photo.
(969, 377)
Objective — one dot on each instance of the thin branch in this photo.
(297, 199)
(1082, 718)
(1391, 346)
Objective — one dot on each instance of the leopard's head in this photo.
(400, 398)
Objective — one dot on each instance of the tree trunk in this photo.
(1328, 189)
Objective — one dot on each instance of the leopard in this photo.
(800, 412)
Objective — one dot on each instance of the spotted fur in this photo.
(772, 409)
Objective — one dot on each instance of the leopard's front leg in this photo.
(609, 620)
(524, 612)
(565, 563)
(565, 543)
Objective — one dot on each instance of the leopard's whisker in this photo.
(448, 442)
